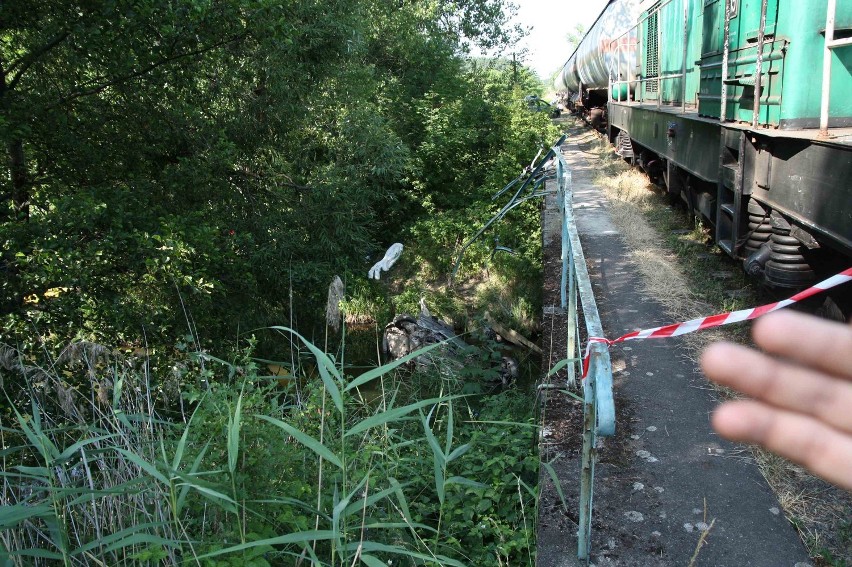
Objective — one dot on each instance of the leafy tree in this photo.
(575, 36)
(187, 164)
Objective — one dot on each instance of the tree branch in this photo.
(27, 60)
(81, 87)
(147, 69)
(288, 181)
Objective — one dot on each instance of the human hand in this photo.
(801, 398)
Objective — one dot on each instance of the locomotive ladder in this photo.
(578, 300)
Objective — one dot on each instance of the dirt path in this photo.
(665, 478)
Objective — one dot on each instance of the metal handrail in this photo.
(598, 402)
(758, 66)
(726, 54)
(830, 43)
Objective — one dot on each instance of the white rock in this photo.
(634, 516)
(647, 457)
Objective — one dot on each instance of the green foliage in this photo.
(193, 169)
(476, 144)
(366, 301)
(488, 508)
(258, 477)
(186, 166)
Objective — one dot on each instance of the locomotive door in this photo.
(743, 61)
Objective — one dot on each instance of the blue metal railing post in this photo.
(562, 196)
(587, 471)
(567, 288)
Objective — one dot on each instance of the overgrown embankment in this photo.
(209, 168)
(253, 475)
(181, 178)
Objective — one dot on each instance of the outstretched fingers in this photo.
(780, 383)
(802, 392)
(824, 450)
(807, 340)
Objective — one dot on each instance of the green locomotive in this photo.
(743, 108)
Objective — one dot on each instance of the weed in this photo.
(249, 479)
(366, 302)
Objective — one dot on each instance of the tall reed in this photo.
(238, 480)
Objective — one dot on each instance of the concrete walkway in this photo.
(666, 476)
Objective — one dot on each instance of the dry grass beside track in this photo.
(683, 270)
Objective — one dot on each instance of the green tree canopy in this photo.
(190, 162)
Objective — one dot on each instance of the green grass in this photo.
(256, 475)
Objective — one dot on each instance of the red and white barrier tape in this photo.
(677, 329)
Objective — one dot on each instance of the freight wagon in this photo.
(743, 109)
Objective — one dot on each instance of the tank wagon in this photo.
(742, 108)
(585, 79)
